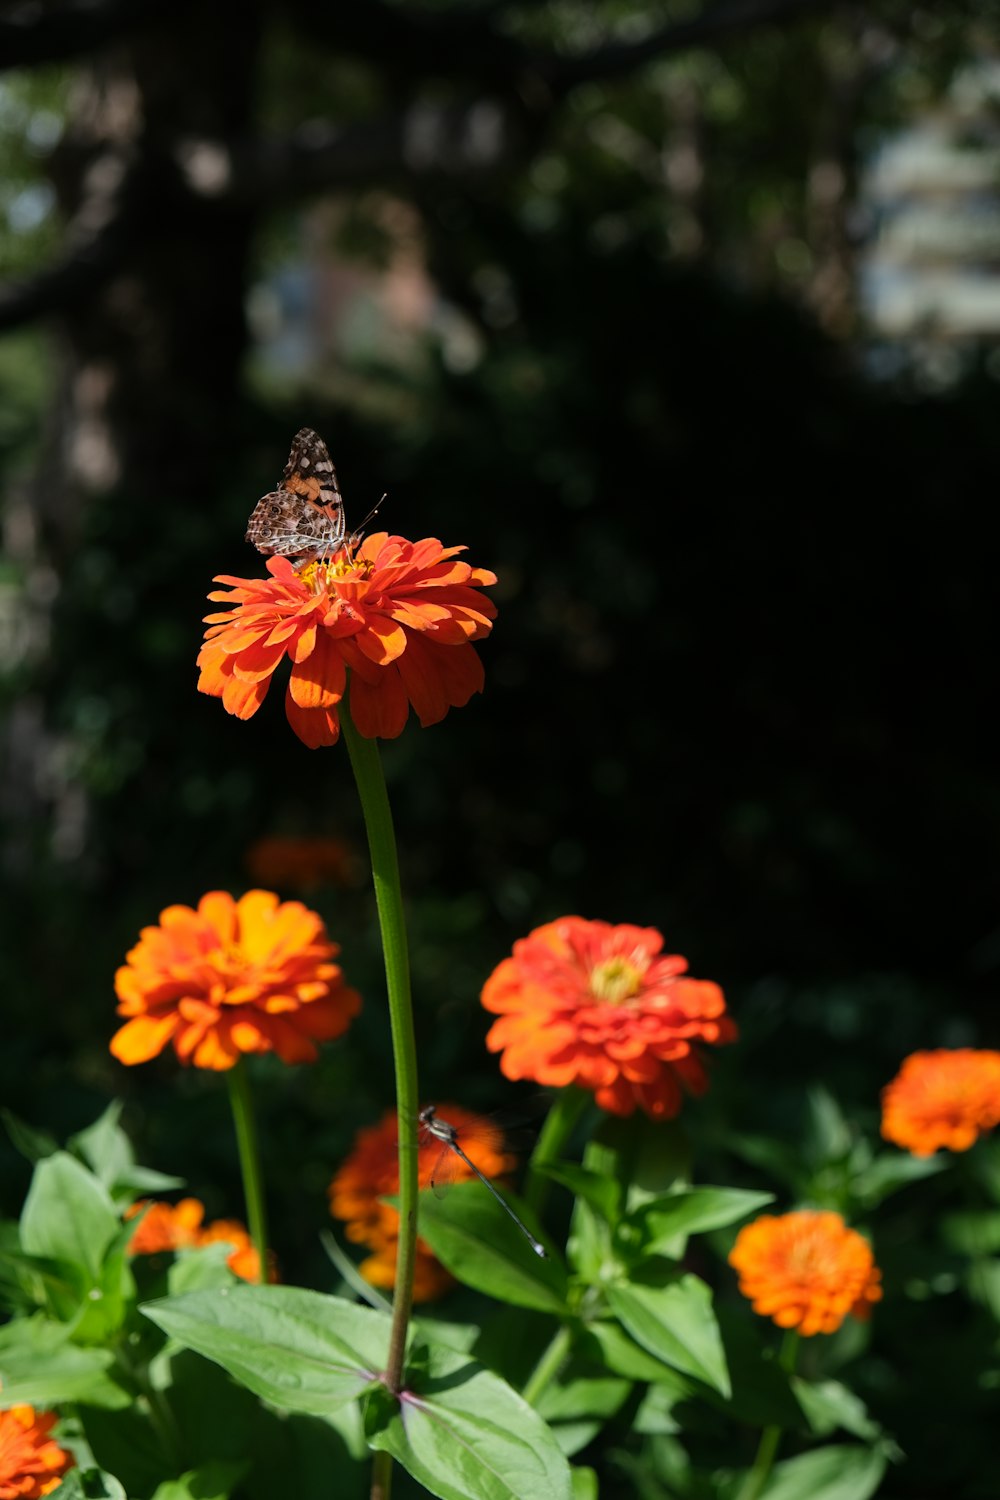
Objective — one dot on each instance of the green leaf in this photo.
(474, 1239)
(107, 1150)
(972, 1233)
(89, 1484)
(891, 1171)
(625, 1357)
(602, 1193)
(573, 1396)
(676, 1323)
(40, 1366)
(300, 1350)
(465, 1434)
(213, 1481)
(646, 1157)
(199, 1270)
(33, 1143)
(68, 1215)
(829, 1405)
(584, 1483)
(845, 1472)
(662, 1221)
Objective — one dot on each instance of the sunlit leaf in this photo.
(474, 1239)
(676, 1323)
(465, 1434)
(68, 1215)
(301, 1350)
(845, 1472)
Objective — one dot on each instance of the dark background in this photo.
(741, 686)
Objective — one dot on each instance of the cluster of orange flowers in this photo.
(178, 1226)
(946, 1098)
(806, 1270)
(371, 1173)
(31, 1462)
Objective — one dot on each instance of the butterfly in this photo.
(304, 516)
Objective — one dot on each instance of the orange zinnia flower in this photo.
(371, 1172)
(254, 975)
(806, 1270)
(945, 1098)
(177, 1226)
(165, 1226)
(595, 1005)
(31, 1462)
(399, 614)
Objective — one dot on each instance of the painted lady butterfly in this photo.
(305, 515)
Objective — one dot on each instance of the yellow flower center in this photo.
(615, 981)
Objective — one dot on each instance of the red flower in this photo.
(595, 1005)
(31, 1463)
(401, 615)
(947, 1098)
(371, 1173)
(806, 1270)
(254, 975)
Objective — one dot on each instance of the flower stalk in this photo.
(367, 768)
(241, 1103)
(770, 1438)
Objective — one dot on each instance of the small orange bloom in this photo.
(177, 1226)
(371, 1172)
(599, 1006)
(303, 863)
(31, 1462)
(254, 975)
(806, 1270)
(400, 615)
(244, 1260)
(165, 1226)
(945, 1098)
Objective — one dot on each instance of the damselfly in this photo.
(433, 1128)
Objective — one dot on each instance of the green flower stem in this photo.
(566, 1110)
(241, 1103)
(771, 1436)
(367, 768)
(548, 1366)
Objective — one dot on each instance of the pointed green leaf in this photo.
(891, 1171)
(33, 1143)
(300, 1350)
(661, 1221)
(647, 1157)
(675, 1322)
(214, 1481)
(465, 1434)
(39, 1366)
(625, 1357)
(68, 1215)
(829, 1405)
(602, 1193)
(584, 1483)
(89, 1484)
(846, 1472)
(473, 1238)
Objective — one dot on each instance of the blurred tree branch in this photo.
(424, 139)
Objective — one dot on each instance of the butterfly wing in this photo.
(306, 514)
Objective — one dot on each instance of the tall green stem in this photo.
(241, 1103)
(771, 1436)
(548, 1366)
(567, 1107)
(367, 769)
